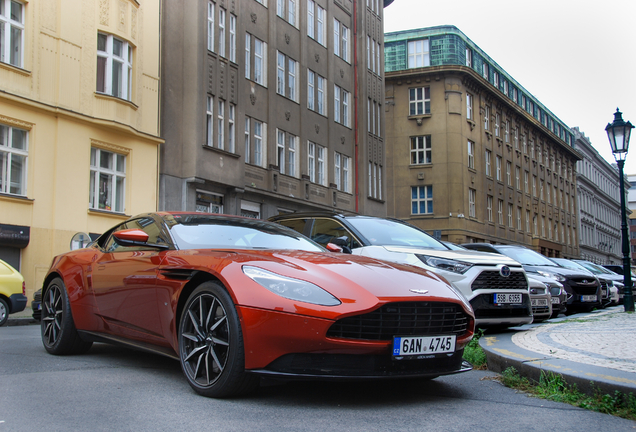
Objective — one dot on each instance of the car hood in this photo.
(530, 269)
(473, 257)
(358, 282)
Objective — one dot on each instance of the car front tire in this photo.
(4, 312)
(211, 344)
(59, 334)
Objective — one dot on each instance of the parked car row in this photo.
(304, 295)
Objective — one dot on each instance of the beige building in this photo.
(265, 110)
(471, 155)
(79, 113)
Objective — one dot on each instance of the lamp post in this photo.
(618, 133)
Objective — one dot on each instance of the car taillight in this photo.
(23, 288)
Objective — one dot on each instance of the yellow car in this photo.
(12, 292)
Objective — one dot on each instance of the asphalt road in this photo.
(117, 389)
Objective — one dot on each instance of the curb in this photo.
(22, 321)
(502, 353)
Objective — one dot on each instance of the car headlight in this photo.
(293, 289)
(557, 277)
(445, 264)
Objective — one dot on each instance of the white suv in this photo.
(496, 286)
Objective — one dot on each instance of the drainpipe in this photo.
(355, 95)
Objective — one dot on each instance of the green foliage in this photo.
(551, 386)
(473, 352)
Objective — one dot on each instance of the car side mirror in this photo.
(333, 248)
(135, 237)
(343, 242)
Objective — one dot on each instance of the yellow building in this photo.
(79, 128)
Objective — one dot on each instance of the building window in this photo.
(220, 124)
(497, 122)
(508, 173)
(495, 79)
(510, 216)
(11, 32)
(341, 106)
(487, 118)
(487, 158)
(505, 87)
(316, 163)
(231, 130)
(13, 160)
(254, 141)
(209, 117)
(519, 218)
(534, 185)
(526, 175)
(286, 153)
(472, 193)
(471, 154)
(421, 150)
(316, 97)
(286, 9)
(422, 199)
(255, 60)
(341, 40)
(469, 106)
(418, 53)
(489, 207)
(114, 66)
(232, 38)
(469, 57)
(209, 203)
(108, 180)
(211, 11)
(507, 131)
(286, 70)
(375, 180)
(498, 167)
(316, 22)
(500, 212)
(484, 70)
(518, 177)
(222, 32)
(527, 221)
(419, 101)
(341, 172)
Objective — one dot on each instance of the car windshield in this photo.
(526, 256)
(213, 232)
(568, 264)
(593, 267)
(385, 232)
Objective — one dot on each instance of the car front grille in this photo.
(403, 319)
(582, 286)
(540, 310)
(493, 280)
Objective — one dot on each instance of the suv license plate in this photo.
(418, 345)
(539, 302)
(507, 298)
(588, 298)
(556, 300)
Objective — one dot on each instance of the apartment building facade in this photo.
(272, 106)
(598, 195)
(79, 131)
(472, 155)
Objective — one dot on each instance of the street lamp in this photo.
(618, 134)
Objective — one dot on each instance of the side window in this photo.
(147, 225)
(111, 245)
(297, 225)
(325, 230)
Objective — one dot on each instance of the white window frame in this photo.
(286, 74)
(489, 199)
(341, 40)
(471, 154)
(222, 32)
(488, 162)
(220, 124)
(286, 157)
(342, 106)
(255, 60)
(110, 61)
(12, 31)
(288, 10)
(211, 12)
(232, 38)
(498, 167)
(469, 106)
(209, 117)
(14, 153)
(418, 53)
(418, 199)
(421, 152)
(106, 180)
(419, 101)
(472, 194)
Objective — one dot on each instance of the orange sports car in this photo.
(234, 299)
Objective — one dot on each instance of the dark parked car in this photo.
(606, 283)
(584, 288)
(602, 273)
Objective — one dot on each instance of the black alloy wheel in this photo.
(59, 334)
(211, 344)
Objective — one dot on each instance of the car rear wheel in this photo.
(59, 334)
(4, 312)
(211, 344)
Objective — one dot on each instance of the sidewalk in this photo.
(595, 350)
(22, 318)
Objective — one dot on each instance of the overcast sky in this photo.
(575, 56)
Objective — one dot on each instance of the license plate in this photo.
(507, 298)
(419, 345)
(588, 298)
(539, 302)
(556, 300)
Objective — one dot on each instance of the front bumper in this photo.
(488, 314)
(17, 302)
